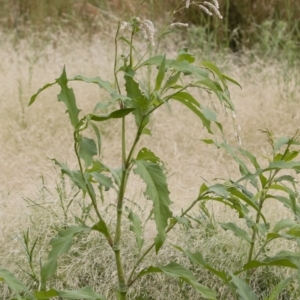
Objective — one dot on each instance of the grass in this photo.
(29, 197)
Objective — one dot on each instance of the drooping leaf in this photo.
(213, 68)
(75, 176)
(239, 232)
(175, 270)
(278, 165)
(87, 149)
(219, 189)
(86, 292)
(33, 97)
(182, 66)
(243, 289)
(13, 283)
(280, 142)
(67, 96)
(189, 101)
(97, 132)
(283, 224)
(60, 245)
(136, 228)
(101, 83)
(117, 114)
(197, 258)
(157, 191)
(226, 77)
(161, 74)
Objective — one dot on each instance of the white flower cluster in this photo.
(207, 7)
(178, 24)
(146, 27)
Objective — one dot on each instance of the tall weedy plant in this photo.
(175, 80)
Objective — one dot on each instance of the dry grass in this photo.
(29, 136)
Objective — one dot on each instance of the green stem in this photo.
(130, 280)
(94, 201)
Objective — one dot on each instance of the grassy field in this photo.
(31, 187)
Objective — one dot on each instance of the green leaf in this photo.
(175, 270)
(136, 228)
(137, 100)
(283, 224)
(239, 232)
(147, 155)
(87, 149)
(161, 74)
(197, 258)
(13, 283)
(60, 245)
(97, 132)
(243, 289)
(275, 292)
(181, 66)
(189, 101)
(102, 228)
(75, 176)
(220, 190)
(280, 142)
(101, 83)
(43, 295)
(172, 81)
(84, 293)
(33, 97)
(213, 68)
(117, 114)
(102, 179)
(226, 77)
(184, 55)
(157, 191)
(67, 96)
(278, 165)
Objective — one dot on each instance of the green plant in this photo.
(176, 79)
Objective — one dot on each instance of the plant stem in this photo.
(94, 201)
(130, 280)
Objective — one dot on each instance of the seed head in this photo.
(214, 7)
(205, 9)
(187, 3)
(147, 29)
(178, 24)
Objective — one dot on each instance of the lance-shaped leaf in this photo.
(33, 97)
(75, 176)
(60, 245)
(102, 228)
(117, 114)
(239, 232)
(175, 270)
(84, 293)
(189, 101)
(97, 80)
(197, 258)
(182, 66)
(136, 228)
(161, 74)
(13, 283)
(67, 96)
(278, 165)
(87, 149)
(148, 155)
(136, 98)
(157, 191)
(275, 292)
(243, 289)
(97, 132)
